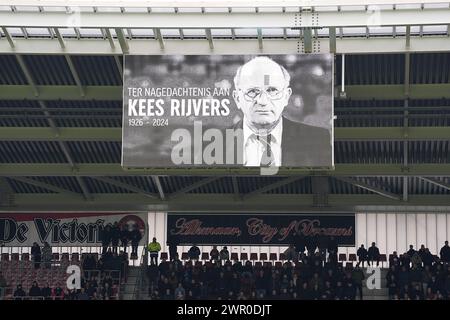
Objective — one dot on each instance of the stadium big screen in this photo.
(228, 111)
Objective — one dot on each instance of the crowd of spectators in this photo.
(418, 275)
(306, 275)
(114, 235)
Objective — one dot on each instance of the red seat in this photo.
(234, 256)
(205, 256)
(263, 256)
(15, 256)
(56, 256)
(278, 265)
(253, 256)
(198, 263)
(258, 264)
(164, 256)
(342, 257)
(282, 257)
(65, 257)
(382, 259)
(352, 257)
(5, 256)
(349, 265)
(184, 256)
(244, 256)
(273, 257)
(25, 257)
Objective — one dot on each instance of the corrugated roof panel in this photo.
(95, 151)
(10, 71)
(23, 119)
(31, 151)
(430, 67)
(97, 70)
(96, 186)
(22, 187)
(144, 183)
(429, 152)
(368, 152)
(420, 186)
(67, 183)
(174, 183)
(301, 186)
(223, 185)
(49, 70)
(250, 184)
(371, 69)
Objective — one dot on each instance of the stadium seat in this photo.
(198, 263)
(263, 256)
(55, 256)
(278, 265)
(184, 256)
(234, 256)
(25, 257)
(5, 256)
(164, 256)
(342, 257)
(282, 257)
(75, 257)
(65, 256)
(352, 257)
(258, 264)
(14, 256)
(205, 256)
(253, 256)
(244, 256)
(273, 257)
(382, 259)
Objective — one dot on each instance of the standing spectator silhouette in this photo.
(373, 254)
(173, 250)
(124, 237)
(194, 252)
(154, 248)
(214, 254)
(445, 253)
(115, 237)
(135, 237)
(224, 254)
(362, 255)
(47, 255)
(36, 255)
(106, 238)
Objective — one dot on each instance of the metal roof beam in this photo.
(236, 191)
(75, 75)
(192, 187)
(158, 184)
(27, 74)
(125, 186)
(280, 45)
(370, 188)
(272, 186)
(436, 182)
(136, 20)
(223, 202)
(115, 134)
(115, 169)
(44, 185)
(122, 41)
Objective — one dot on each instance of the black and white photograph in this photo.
(228, 111)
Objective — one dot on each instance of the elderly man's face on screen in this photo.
(262, 92)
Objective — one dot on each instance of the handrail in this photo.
(138, 284)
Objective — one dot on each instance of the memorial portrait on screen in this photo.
(228, 111)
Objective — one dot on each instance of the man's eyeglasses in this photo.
(272, 93)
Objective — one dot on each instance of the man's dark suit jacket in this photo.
(303, 145)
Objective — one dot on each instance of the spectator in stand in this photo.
(19, 293)
(58, 293)
(35, 291)
(422, 251)
(394, 260)
(358, 277)
(291, 253)
(194, 252)
(392, 285)
(180, 293)
(416, 261)
(322, 244)
(224, 254)
(36, 255)
(106, 238)
(173, 248)
(332, 251)
(427, 258)
(47, 255)
(445, 253)
(46, 292)
(411, 251)
(362, 255)
(154, 248)
(373, 254)
(115, 237)
(124, 237)
(214, 254)
(135, 238)
(405, 260)
(82, 295)
(3, 285)
(299, 243)
(311, 245)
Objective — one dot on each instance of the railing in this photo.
(140, 279)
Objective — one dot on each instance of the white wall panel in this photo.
(421, 228)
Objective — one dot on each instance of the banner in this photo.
(228, 111)
(64, 229)
(258, 229)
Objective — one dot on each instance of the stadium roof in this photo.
(61, 109)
